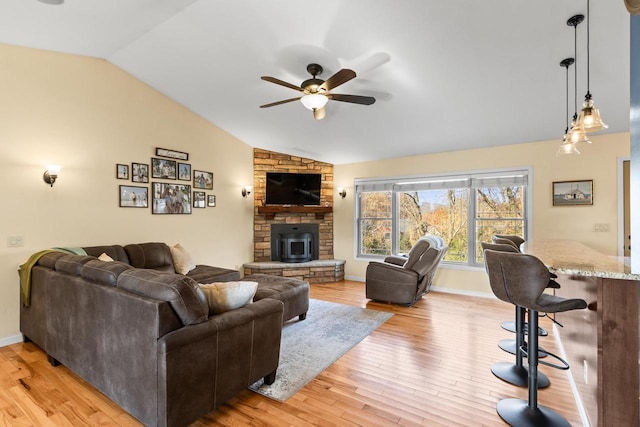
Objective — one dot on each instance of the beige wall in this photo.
(88, 115)
(598, 161)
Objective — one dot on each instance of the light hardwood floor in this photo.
(426, 366)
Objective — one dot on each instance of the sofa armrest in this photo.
(396, 259)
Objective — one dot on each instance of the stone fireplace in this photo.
(270, 222)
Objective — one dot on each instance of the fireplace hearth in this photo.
(294, 243)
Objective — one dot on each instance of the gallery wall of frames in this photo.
(167, 183)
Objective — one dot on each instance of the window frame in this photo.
(396, 184)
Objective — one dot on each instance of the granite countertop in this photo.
(570, 257)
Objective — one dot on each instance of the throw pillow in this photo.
(225, 296)
(181, 259)
(105, 257)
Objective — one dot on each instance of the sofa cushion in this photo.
(105, 272)
(49, 259)
(104, 257)
(182, 261)
(226, 296)
(182, 293)
(116, 252)
(210, 274)
(72, 264)
(152, 255)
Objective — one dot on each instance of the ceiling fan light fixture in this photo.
(314, 101)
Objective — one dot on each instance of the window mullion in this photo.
(395, 223)
(472, 214)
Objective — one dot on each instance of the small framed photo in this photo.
(198, 199)
(162, 168)
(171, 198)
(172, 154)
(211, 201)
(573, 193)
(139, 172)
(134, 197)
(203, 180)
(184, 171)
(122, 171)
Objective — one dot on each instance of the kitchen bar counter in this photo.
(602, 343)
(569, 257)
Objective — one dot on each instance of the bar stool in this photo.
(514, 373)
(521, 280)
(509, 325)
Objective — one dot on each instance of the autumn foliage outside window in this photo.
(469, 209)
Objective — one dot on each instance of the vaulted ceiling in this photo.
(447, 74)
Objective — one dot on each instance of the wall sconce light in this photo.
(342, 192)
(51, 174)
(246, 190)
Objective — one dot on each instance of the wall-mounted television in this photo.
(293, 188)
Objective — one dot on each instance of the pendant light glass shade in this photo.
(589, 117)
(577, 134)
(567, 147)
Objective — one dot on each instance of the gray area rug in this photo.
(311, 346)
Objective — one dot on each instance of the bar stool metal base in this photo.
(509, 346)
(517, 412)
(510, 326)
(517, 375)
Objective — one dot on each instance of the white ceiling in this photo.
(447, 74)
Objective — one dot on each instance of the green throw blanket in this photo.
(25, 270)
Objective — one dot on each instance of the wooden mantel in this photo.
(270, 211)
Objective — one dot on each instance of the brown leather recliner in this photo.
(403, 280)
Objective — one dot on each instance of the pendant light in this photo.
(567, 147)
(576, 132)
(589, 118)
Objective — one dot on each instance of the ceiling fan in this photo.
(316, 92)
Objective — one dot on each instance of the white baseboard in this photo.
(463, 292)
(574, 387)
(439, 289)
(13, 339)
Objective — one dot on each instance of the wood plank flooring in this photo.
(426, 366)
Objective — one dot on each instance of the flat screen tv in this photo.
(293, 188)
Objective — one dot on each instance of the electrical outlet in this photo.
(15, 241)
(601, 227)
(585, 371)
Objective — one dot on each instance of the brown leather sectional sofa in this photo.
(142, 335)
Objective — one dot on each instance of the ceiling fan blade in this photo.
(279, 102)
(337, 79)
(319, 113)
(354, 99)
(281, 83)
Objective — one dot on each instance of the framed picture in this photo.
(122, 171)
(134, 197)
(198, 199)
(171, 198)
(172, 154)
(203, 180)
(184, 171)
(572, 193)
(139, 172)
(161, 168)
(211, 201)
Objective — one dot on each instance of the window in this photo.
(392, 214)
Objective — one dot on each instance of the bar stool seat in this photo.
(522, 279)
